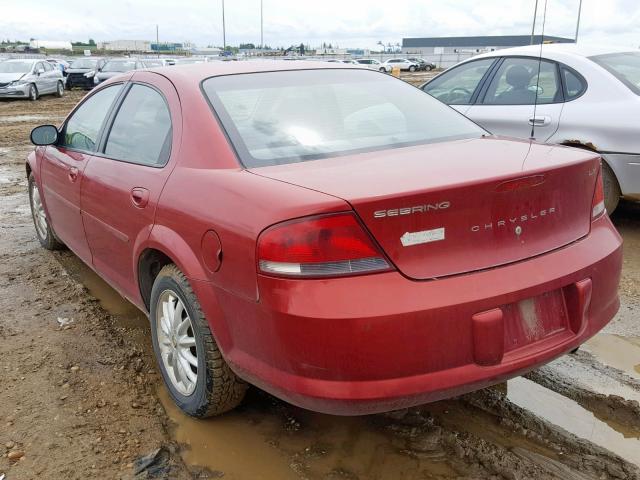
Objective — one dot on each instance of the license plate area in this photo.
(534, 319)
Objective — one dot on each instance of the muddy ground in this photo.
(80, 396)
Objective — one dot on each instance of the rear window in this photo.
(624, 66)
(291, 116)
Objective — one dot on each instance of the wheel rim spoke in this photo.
(176, 343)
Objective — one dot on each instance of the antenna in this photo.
(535, 104)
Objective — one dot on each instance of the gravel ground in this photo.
(81, 396)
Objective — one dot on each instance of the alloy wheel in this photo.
(177, 342)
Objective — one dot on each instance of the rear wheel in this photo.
(611, 188)
(383, 70)
(428, 69)
(197, 377)
(45, 234)
(412, 68)
(33, 92)
(59, 90)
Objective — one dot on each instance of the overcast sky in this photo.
(286, 22)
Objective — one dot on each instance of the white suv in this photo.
(403, 63)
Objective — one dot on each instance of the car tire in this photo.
(611, 189)
(44, 232)
(59, 90)
(383, 70)
(412, 68)
(428, 68)
(33, 93)
(213, 388)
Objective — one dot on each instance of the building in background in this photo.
(447, 51)
(50, 45)
(125, 46)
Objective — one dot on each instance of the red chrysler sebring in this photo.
(332, 235)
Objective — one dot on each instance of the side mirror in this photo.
(44, 135)
(40, 70)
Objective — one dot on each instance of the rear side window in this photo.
(456, 86)
(141, 131)
(574, 85)
(82, 129)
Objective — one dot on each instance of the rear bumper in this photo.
(626, 166)
(382, 342)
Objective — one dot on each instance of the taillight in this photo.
(321, 246)
(597, 206)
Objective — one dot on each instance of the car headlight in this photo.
(90, 74)
(17, 83)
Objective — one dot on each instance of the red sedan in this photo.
(330, 234)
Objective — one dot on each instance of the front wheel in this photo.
(197, 377)
(33, 92)
(44, 232)
(59, 90)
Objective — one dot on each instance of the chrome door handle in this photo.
(540, 121)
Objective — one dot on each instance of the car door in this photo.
(458, 87)
(51, 76)
(63, 165)
(122, 183)
(39, 78)
(508, 104)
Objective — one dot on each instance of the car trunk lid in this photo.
(456, 207)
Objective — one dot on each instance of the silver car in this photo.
(586, 97)
(28, 78)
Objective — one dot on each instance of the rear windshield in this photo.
(119, 66)
(291, 116)
(84, 63)
(625, 66)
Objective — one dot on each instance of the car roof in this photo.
(195, 73)
(561, 49)
(32, 60)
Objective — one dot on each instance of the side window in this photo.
(574, 85)
(47, 66)
(141, 131)
(516, 80)
(82, 129)
(456, 86)
(39, 67)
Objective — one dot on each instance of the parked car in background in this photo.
(403, 256)
(373, 64)
(154, 62)
(28, 78)
(189, 61)
(115, 67)
(423, 64)
(587, 97)
(59, 63)
(401, 63)
(81, 72)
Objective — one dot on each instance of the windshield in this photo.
(15, 67)
(291, 116)
(119, 66)
(625, 66)
(84, 63)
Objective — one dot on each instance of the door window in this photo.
(516, 82)
(141, 131)
(47, 66)
(456, 86)
(82, 129)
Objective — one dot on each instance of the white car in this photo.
(587, 97)
(373, 64)
(402, 63)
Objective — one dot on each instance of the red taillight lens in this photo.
(328, 245)
(597, 206)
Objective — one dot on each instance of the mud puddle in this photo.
(567, 414)
(126, 315)
(617, 351)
